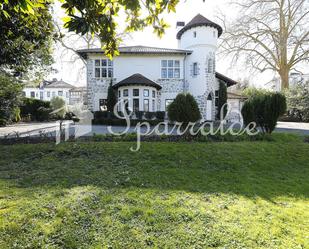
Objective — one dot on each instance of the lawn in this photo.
(167, 195)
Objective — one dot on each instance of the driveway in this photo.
(26, 129)
(35, 129)
(302, 128)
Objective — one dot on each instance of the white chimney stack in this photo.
(180, 25)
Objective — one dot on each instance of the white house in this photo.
(49, 89)
(150, 78)
(78, 95)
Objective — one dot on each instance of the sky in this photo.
(73, 71)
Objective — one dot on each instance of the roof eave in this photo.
(228, 80)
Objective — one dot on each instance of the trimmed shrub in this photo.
(150, 115)
(264, 110)
(31, 107)
(100, 114)
(184, 109)
(139, 114)
(43, 114)
(160, 115)
(122, 122)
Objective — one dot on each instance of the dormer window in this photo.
(194, 34)
(103, 68)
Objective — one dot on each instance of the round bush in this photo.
(184, 109)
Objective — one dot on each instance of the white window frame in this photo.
(106, 65)
(144, 105)
(170, 69)
(125, 93)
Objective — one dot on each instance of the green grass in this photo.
(168, 195)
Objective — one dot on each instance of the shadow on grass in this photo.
(251, 169)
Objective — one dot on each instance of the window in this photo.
(41, 95)
(214, 33)
(135, 105)
(146, 105)
(163, 73)
(195, 69)
(168, 102)
(153, 93)
(54, 94)
(32, 94)
(67, 94)
(103, 68)
(125, 93)
(194, 34)
(146, 93)
(60, 93)
(216, 98)
(153, 105)
(119, 94)
(103, 104)
(170, 69)
(48, 94)
(177, 73)
(24, 94)
(135, 92)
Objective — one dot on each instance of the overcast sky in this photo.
(74, 73)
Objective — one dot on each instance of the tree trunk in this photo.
(284, 75)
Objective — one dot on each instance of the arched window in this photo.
(209, 96)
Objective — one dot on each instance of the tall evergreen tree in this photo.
(111, 98)
(222, 98)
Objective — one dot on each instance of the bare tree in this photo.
(270, 34)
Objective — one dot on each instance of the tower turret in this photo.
(201, 35)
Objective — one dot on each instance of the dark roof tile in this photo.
(227, 80)
(197, 21)
(137, 79)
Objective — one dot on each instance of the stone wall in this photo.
(97, 88)
(171, 85)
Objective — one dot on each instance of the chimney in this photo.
(180, 25)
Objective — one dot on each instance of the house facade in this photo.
(149, 78)
(56, 88)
